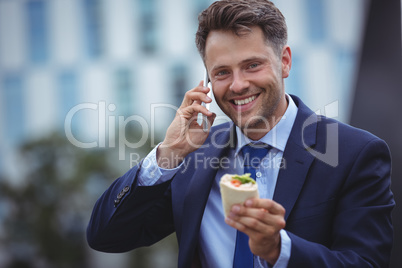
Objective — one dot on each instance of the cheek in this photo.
(218, 91)
(271, 79)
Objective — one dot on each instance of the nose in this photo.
(239, 82)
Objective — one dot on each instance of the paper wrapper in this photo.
(235, 195)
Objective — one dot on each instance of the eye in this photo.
(221, 73)
(253, 65)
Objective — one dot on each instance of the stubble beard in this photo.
(264, 120)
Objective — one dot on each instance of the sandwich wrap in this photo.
(236, 189)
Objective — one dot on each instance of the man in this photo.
(324, 186)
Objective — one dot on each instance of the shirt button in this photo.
(258, 174)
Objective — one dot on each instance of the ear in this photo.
(286, 61)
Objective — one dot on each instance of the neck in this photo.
(261, 129)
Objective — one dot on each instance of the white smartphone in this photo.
(206, 105)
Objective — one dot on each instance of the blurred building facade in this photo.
(87, 67)
(129, 54)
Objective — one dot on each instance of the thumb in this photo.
(211, 120)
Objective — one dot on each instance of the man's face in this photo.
(247, 78)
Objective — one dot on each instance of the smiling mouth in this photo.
(244, 101)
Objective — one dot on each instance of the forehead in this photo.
(225, 47)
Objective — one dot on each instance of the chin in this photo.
(253, 124)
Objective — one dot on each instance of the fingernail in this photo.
(236, 208)
(231, 215)
(248, 203)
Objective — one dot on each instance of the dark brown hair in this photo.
(239, 16)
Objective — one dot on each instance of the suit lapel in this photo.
(296, 160)
(295, 165)
(200, 185)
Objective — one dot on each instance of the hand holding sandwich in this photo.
(184, 134)
(261, 220)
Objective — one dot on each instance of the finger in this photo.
(191, 111)
(235, 224)
(267, 204)
(195, 97)
(256, 218)
(198, 93)
(211, 120)
(268, 224)
(197, 102)
(252, 227)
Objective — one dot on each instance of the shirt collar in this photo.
(276, 137)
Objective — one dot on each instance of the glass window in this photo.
(179, 82)
(38, 46)
(67, 85)
(316, 20)
(123, 80)
(148, 26)
(2, 165)
(200, 5)
(93, 28)
(14, 108)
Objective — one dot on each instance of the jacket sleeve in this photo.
(362, 231)
(128, 216)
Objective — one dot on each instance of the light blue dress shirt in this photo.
(217, 239)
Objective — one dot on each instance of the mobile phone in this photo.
(206, 105)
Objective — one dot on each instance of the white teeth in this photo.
(245, 101)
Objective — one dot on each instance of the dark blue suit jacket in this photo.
(334, 184)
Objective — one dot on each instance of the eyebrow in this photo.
(242, 62)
